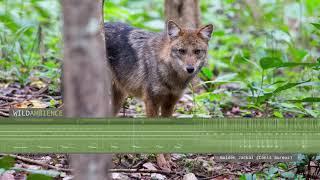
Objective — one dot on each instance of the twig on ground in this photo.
(140, 163)
(50, 97)
(61, 105)
(6, 110)
(31, 161)
(5, 104)
(42, 90)
(142, 171)
(6, 98)
(8, 104)
(4, 114)
(21, 96)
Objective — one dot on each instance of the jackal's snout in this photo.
(190, 69)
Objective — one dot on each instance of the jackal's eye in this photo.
(197, 51)
(182, 51)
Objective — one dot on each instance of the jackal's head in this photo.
(187, 48)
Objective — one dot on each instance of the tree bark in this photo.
(91, 166)
(86, 77)
(184, 12)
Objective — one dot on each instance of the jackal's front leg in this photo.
(168, 104)
(167, 107)
(152, 106)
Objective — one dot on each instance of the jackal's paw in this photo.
(172, 164)
(163, 163)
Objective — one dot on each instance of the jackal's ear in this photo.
(173, 29)
(206, 31)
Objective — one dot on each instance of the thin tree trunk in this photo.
(91, 166)
(87, 79)
(87, 83)
(184, 12)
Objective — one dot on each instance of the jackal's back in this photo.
(124, 46)
(121, 55)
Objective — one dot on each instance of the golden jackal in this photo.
(156, 67)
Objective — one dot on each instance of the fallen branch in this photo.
(8, 104)
(42, 90)
(142, 171)
(6, 110)
(4, 114)
(31, 161)
(50, 97)
(6, 98)
(139, 164)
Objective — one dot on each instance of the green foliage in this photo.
(270, 56)
(317, 25)
(38, 177)
(248, 177)
(30, 40)
(6, 162)
(139, 13)
(280, 171)
(268, 95)
(40, 173)
(295, 170)
(270, 62)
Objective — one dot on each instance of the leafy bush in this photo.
(30, 42)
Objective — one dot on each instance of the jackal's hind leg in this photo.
(119, 97)
(152, 106)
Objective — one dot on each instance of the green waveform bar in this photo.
(117, 135)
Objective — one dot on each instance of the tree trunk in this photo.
(87, 83)
(91, 166)
(184, 12)
(86, 77)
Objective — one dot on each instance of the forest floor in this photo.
(185, 166)
(141, 166)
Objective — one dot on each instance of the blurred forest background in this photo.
(262, 58)
(263, 62)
